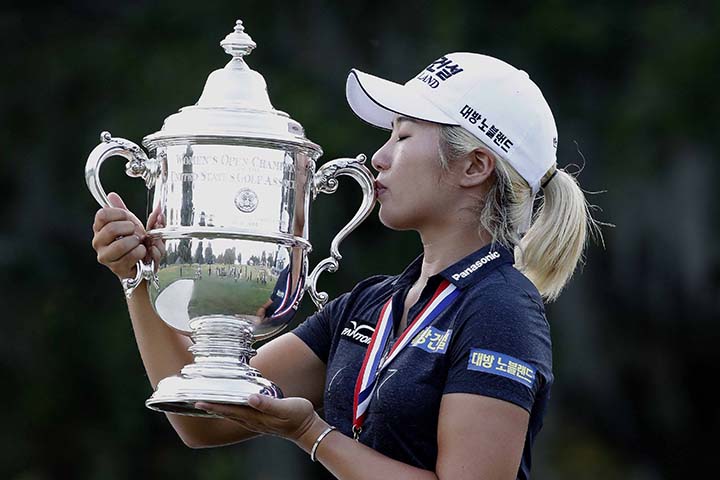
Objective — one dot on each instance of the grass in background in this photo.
(216, 294)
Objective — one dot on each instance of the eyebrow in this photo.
(402, 119)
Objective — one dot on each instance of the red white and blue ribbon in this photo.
(373, 363)
(286, 305)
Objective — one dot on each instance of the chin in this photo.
(393, 220)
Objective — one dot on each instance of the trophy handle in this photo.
(325, 181)
(138, 165)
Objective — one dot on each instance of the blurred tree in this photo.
(199, 258)
(209, 256)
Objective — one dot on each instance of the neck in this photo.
(443, 248)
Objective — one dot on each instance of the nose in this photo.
(381, 159)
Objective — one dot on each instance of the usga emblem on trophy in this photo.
(246, 200)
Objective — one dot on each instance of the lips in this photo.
(379, 189)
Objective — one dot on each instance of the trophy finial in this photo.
(238, 43)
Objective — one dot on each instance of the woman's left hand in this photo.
(286, 417)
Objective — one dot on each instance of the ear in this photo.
(478, 165)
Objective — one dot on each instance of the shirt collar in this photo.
(477, 265)
(464, 272)
(410, 274)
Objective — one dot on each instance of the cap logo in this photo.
(429, 79)
(440, 70)
(492, 132)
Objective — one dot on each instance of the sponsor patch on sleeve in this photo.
(501, 364)
(432, 340)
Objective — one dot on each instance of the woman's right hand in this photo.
(118, 238)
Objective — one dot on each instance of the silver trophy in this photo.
(232, 180)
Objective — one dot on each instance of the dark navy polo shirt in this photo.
(493, 340)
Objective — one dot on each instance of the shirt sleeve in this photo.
(318, 329)
(501, 347)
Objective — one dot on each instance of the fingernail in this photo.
(254, 400)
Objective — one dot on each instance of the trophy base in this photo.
(178, 394)
(220, 373)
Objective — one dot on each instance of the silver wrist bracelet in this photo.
(317, 442)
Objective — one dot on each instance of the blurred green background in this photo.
(633, 86)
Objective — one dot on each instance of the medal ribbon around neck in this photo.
(373, 363)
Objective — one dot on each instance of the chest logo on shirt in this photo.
(432, 340)
(358, 331)
(501, 364)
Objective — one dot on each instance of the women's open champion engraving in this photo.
(246, 200)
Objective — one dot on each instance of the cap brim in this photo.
(378, 101)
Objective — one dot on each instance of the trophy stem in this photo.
(220, 373)
(221, 337)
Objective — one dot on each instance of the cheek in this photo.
(415, 191)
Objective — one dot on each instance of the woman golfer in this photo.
(443, 371)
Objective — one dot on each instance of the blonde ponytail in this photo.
(549, 252)
(553, 246)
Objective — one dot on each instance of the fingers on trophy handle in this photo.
(325, 181)
(137, 165)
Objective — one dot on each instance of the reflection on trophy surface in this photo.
(213, 271)
(232, 180)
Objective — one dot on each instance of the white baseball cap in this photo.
(491, 99)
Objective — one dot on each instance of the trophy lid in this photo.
(234, 103)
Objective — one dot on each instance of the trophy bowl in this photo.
(231, 181)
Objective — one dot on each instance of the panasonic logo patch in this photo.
(477, 265)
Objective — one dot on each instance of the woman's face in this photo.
(409, 183)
